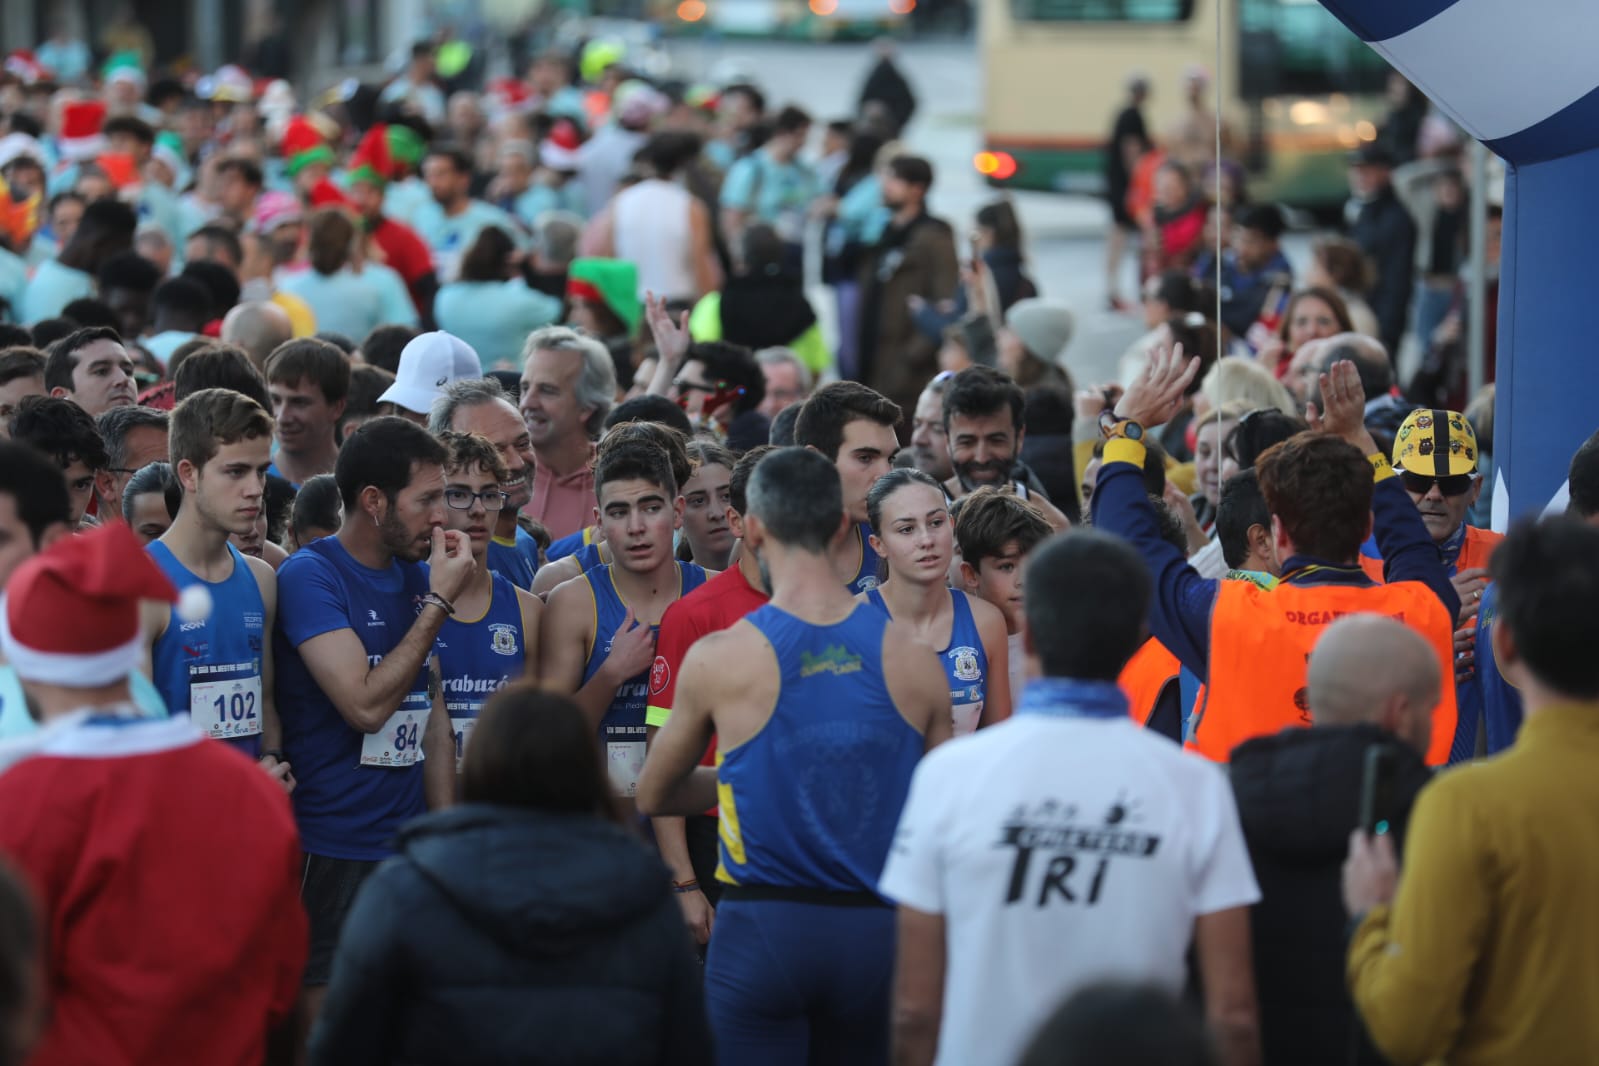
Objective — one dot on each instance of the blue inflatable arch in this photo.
(1520, 76)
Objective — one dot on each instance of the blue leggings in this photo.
(788, 984)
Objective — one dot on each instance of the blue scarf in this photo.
(1067, 697)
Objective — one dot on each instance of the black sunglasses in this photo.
(1449, 485)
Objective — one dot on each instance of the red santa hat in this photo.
(80, 137)
(560, 149)
(70, 615)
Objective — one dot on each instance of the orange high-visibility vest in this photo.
(1146, 676)
(1474, 553)
(1260, 643)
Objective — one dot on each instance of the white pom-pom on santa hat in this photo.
(194, 604)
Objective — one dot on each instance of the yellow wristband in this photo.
(1381, 468)
(1125, 450)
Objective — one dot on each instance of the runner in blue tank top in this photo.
(821, 707)
(853, 427)
(218, 669)
(598, 643)
(911, 529)
(484, 646)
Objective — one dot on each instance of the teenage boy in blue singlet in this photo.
(372, 747)
(853, 427)
(598, 642)
(492, 640)
(218, 669)
(822, 707)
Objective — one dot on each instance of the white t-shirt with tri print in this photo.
(1061, 852)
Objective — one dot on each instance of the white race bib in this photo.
(966, 717)
(399, 742)
(624, 759)
(225, 699)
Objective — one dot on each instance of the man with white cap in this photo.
(206, 910)
(428, 363)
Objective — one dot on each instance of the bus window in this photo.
(1102, 10)
(1297, 48)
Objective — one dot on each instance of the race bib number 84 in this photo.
(399, 742)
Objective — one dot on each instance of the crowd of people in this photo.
(616, 671)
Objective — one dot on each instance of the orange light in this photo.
(997, 165)
(691, 10)
(902, 7)
(823, 7)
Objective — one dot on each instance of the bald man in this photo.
(1372, 681)
(258, 328)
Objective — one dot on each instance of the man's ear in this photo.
(735, 522)
(969, 577)
(104, 482)
(61, 393)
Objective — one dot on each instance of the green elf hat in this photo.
(303, 144)
(381, 153)
(612, 282)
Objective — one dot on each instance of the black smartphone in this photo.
(1377, 800)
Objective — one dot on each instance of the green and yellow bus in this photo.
(1297, 88)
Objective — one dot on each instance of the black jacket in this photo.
(1386, 232)
(1298, 800)
(502, 935)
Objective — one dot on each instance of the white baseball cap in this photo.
(427, 364)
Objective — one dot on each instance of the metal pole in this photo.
(1477, 279)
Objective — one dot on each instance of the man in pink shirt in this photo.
(568, 387)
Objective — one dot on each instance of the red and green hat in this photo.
(304, 144)
(382, 153)
(612, 282)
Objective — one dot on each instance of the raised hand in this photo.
(1159, 392)
(1343, 407)
(671, 338)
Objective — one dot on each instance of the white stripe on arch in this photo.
(1498, 67)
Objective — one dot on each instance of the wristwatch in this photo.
(1113, 427)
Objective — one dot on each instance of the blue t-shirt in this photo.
(394, 298)
(343, 302)
(964, 658)
(778, 194)
(450, 237)
(163, 344)
(812, 800)
(518, 561)
(51, 288)
(622, 731)
(211, 669)
(494, 317)
(479, 657)
(570, 544)
(355, 789)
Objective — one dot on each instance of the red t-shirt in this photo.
(407, 254)
(712, 607)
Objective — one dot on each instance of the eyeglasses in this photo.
(461, 500)
(697, 386)
(1449, 485)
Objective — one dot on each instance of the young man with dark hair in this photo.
(382, 347)
(822, 707)
(21, 376)
(309, 381)
(688, 845)
(1249, 644)
(1253, 270)
(363, 402)
(182, 307)
(64, 432)
(219, 669)
(721, 385)
(853, 427)
(239, 183)
(995, 531)
(1066, 845)
(359, 737)
(598, 643)
(983, 412)
(35, 507)
(127, 281)
(453, 220)
(1503, 848)
(493, 638)
(214, 243)
(915, 257)
(133, 437)
(91, 368)
(1243, 526)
